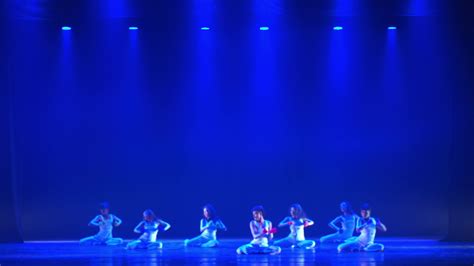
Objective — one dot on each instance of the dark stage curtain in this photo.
(9, 223)
(461, 205)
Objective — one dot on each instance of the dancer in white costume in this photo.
(262, 232)
(343, 224)
(210, 223)
(367, 227)
(106, 222)
(149, 228)
(297, 221)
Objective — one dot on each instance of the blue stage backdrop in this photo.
(171, 117)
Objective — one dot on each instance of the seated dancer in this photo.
(262, 232)
(367, 227)
(105, 221)
(343, 224)
(149, 228)
(210, 223)
(297, 221)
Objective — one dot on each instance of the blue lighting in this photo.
(392, 28)
(205, 28)
(66, 28)
(264, 28)
(337, 28)
(133, 28)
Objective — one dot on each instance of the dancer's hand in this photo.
(271, 231)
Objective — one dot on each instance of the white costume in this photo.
(365, 241)
(104, 236)
(347, 225)
(259, 244)
(149, 232)
(208, 237)
(296, 237)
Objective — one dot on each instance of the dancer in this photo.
(105, 221)
(343, 224)
(210, 223)
(149, 228)
(297, 221)
(367, 227)
(262, 232)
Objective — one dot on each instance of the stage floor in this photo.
(398, 251)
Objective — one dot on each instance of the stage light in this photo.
(66, 28)
(337, 28)
(133, 28)
(392, 28)
(205, 28)
(264, 28)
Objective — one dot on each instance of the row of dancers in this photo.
(261, 229)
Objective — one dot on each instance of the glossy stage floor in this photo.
(398, 251)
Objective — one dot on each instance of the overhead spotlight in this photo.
(133, 28)
(205, 28)
(391, 28)
(337, 28)
(264, 28)
(66, 28)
